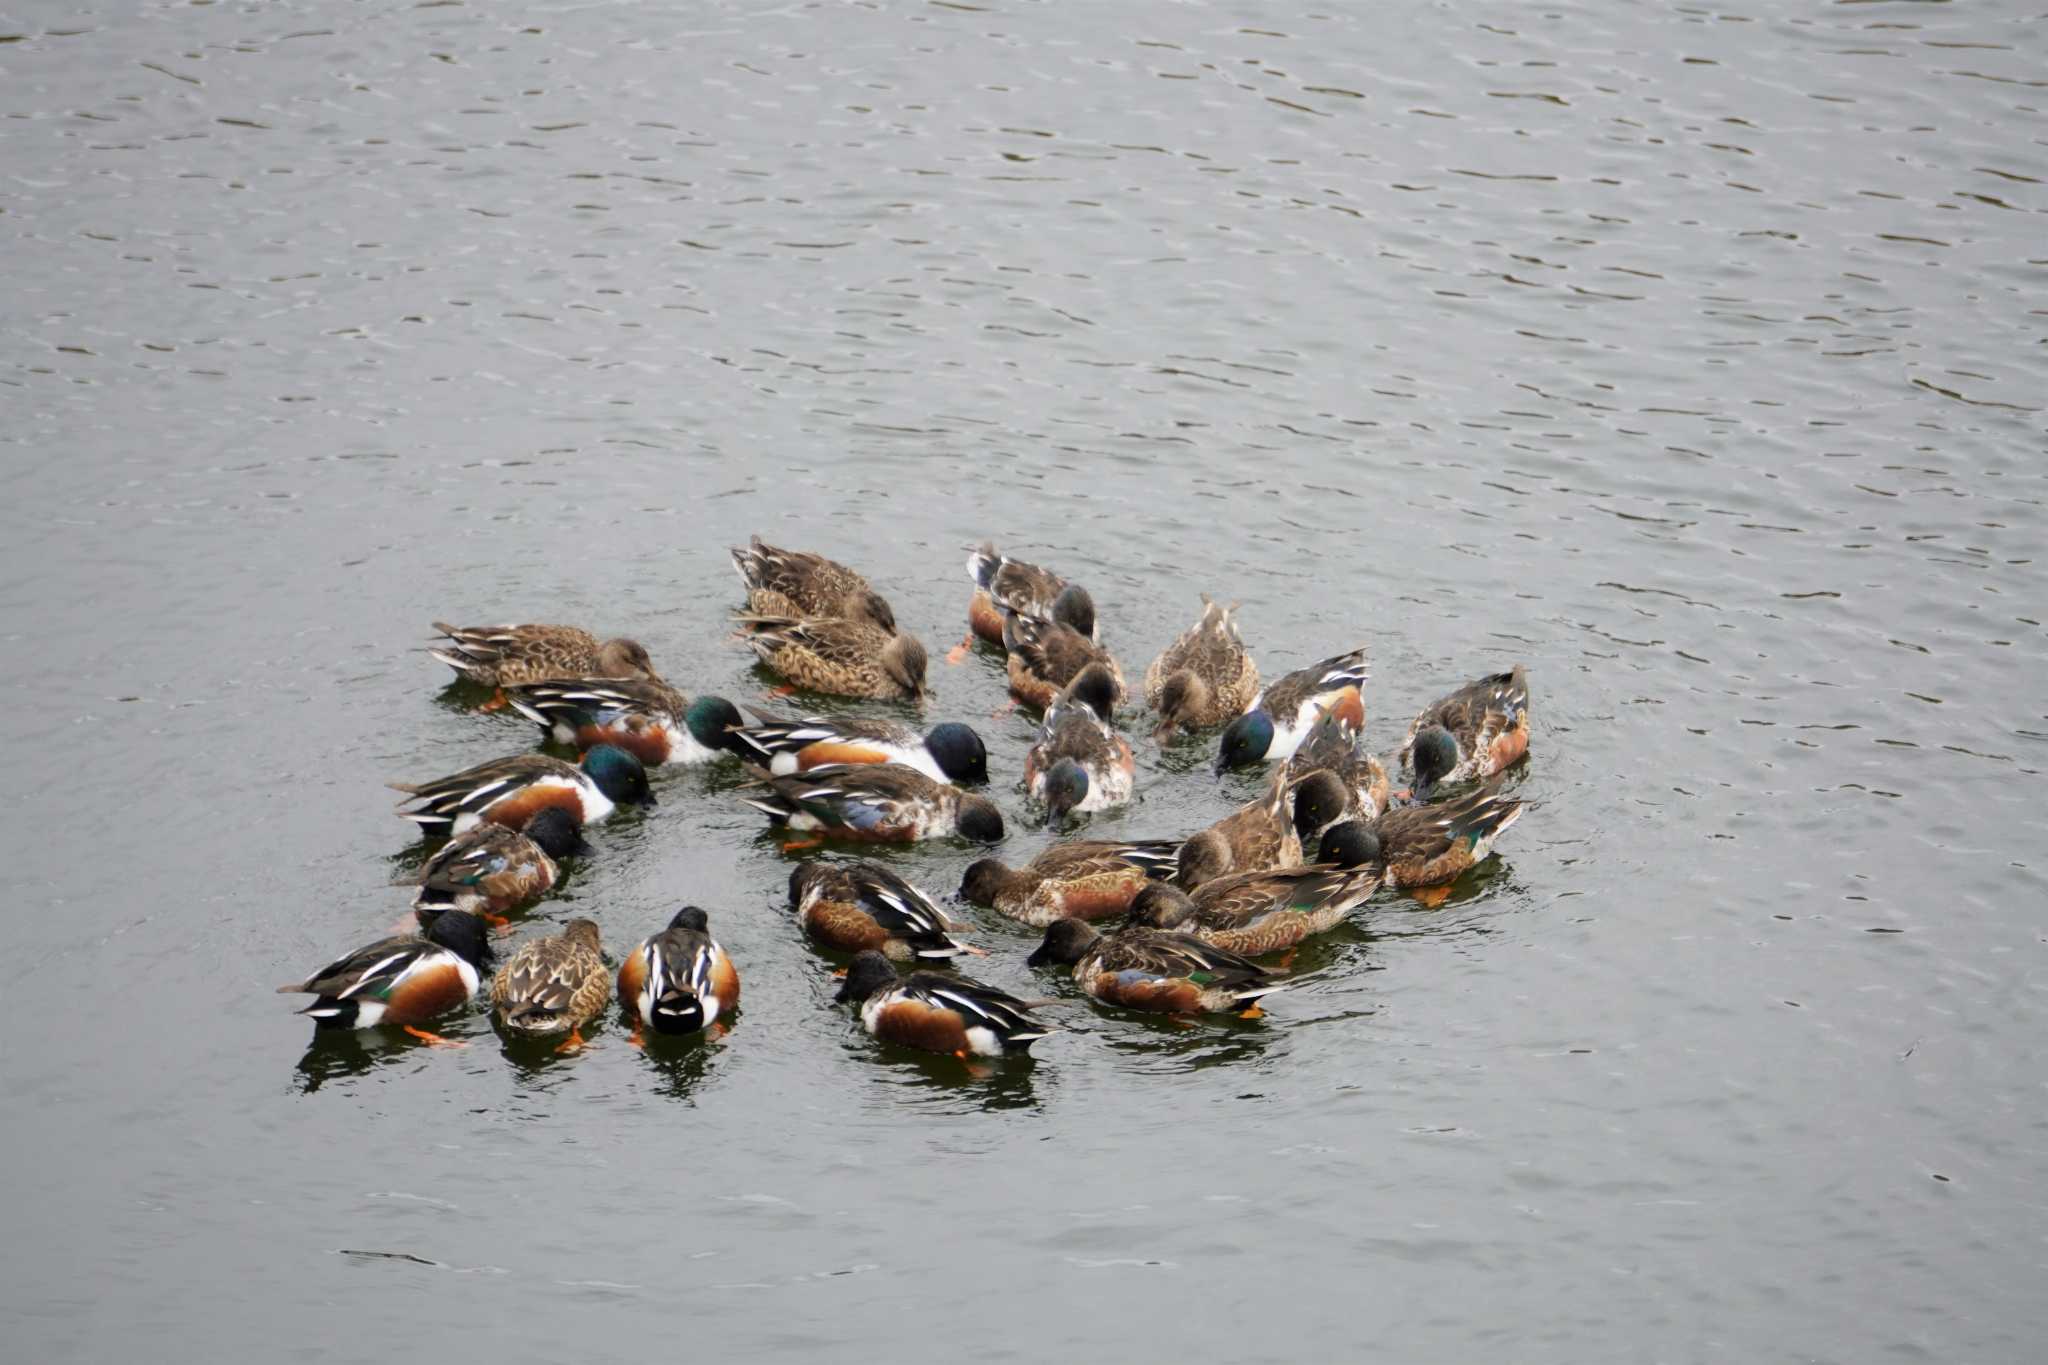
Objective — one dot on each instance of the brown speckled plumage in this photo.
(1258, 835)
(797, 584)
(499, 656)
(1203, 678)
(1079, 879)
(555, 984)
(848, 658)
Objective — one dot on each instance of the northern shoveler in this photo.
(794, 584)
(1266, 912)
(1080, 763)
(554, 985)
(501, 656)
(1430, 845)
(854, 906)
(1477, 731)
(405, 980)
(1334, 745)
(1203, 678)
(511, 791)
(1009, 587)
(874, 801)
(679, 980)
(847, 658)
(1080, 879)
(1142, 968)
(488, 869)
(1259, 834)
(1279, 718)
(951, 752)
(646, 717)
(1047, 655)
(946, 1014)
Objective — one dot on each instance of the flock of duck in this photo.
(1195, 914)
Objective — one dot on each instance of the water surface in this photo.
(1692, 357)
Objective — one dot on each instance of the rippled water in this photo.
(1692, 356)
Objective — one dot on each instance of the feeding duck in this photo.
(1265, 912)
(1080, 763)
(1203, 678)
(844, 657)
(1005, 587)
(1047, 655)
(946, 1014)
(1278, 719)
(554, 985)
(1334, 745)
(644, 716)
(1262, 833)
(501, 656)
(873, 801)
(1143, 968)
(1079, 879)
(1426, 846)
(510, 791)
(1477, 731)
(794, 584)
(489, 869)
(951, 752)
(854, 906)
(405, 980)
(679, 980)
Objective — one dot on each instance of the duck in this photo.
(843, 657)
(944, 1014)
(1079, 763)
(1005, 587)
(490, 869)
(1142, 968)
(1323, 799)
(1475, 732)
(500, 656)
(795, 584)
(644, 716)
(1255, 913)
(1046, 655)
(1203, 678)
(554, 985)
(1258, 835)
(509, 791)
(880, 802)
(1278, 718)
(1079, 879)
(1425, 846)
(678, 981)
(854, 906)
(1333, 744)
(949, 752)
(404, 980)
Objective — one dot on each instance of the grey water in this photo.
(1692, 356)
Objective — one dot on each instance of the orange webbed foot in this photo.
(434, 1039)
(959, 652)
(1430, 897)
(792, 845)
(1251, 1011)
(573, 1043)
(638, 1039)
(1004, 710)
(778, 693)
(498, 702)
